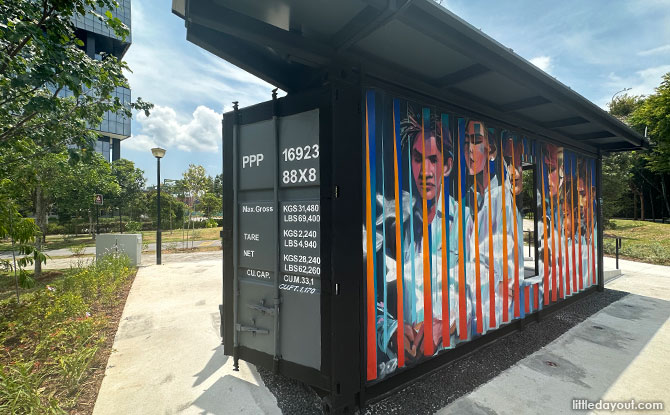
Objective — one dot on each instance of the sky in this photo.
(596, 47)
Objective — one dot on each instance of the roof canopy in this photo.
(416, 44)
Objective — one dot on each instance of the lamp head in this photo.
(158, 152)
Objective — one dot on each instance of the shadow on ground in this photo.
(445, 385)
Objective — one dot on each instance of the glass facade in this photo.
(92, 24)
(102, 146)
(100, 40)
(117, 123)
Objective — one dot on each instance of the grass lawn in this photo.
(62, 241)
(8, 287)
(641, 241)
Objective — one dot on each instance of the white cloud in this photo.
(542, 62)
(163, 128)
(169, 71)
(659, 50)
(642, 82)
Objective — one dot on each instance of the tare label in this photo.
(256, 236)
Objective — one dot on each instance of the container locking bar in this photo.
(252, 329)
(263, 308)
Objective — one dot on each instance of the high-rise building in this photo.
(99, 40)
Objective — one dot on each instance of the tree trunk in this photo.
(40, 220)
(642, 203)
(665, 194)
(651, 202)
(90, 223)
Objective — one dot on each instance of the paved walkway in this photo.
(618, 354)
(90, 250)
(167, 356)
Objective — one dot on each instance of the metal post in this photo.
(277, 300)
(159, 244)
(120, 222)
(236, 288)
(599, 221)
(618, 246)
(97, 220)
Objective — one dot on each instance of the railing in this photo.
(618, 243)
(530, 241)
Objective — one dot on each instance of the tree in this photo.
(218, 185)
(195, 181)
(51, 92)
(74, 190)
(654, 116)
(21, 231)
(131, 181)
(624, 174)
(171, 208)
(210, 203)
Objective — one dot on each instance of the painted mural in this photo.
(443, 232)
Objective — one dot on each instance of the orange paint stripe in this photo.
(559, 259)
(427, 292)
(554, 291)
(462, 306)
(478, 282)
(370, 326)
(572, 224)
(492, 287)
(446, 337)
(398, 252)
(505, 291)
(545, 263)
(517, 311)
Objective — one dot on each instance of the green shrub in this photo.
(55, 334)
(133, 227)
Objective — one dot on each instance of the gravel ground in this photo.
(442, 387)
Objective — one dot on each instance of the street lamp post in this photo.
(158, 153)
(618, 92)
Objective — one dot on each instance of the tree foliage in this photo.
(51, 92)
(654, 115)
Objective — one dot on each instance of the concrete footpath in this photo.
(168, 358)
(167, 355)
(618, 354)
(90, 250)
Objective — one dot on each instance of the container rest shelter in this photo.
(373, 217)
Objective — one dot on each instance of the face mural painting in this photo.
(443, 232)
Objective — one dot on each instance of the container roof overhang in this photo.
(415, 44)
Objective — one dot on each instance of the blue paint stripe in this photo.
(411, 233)
(383, 265)
(461, 145)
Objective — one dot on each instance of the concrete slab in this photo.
(618, 354)
(167, 355)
